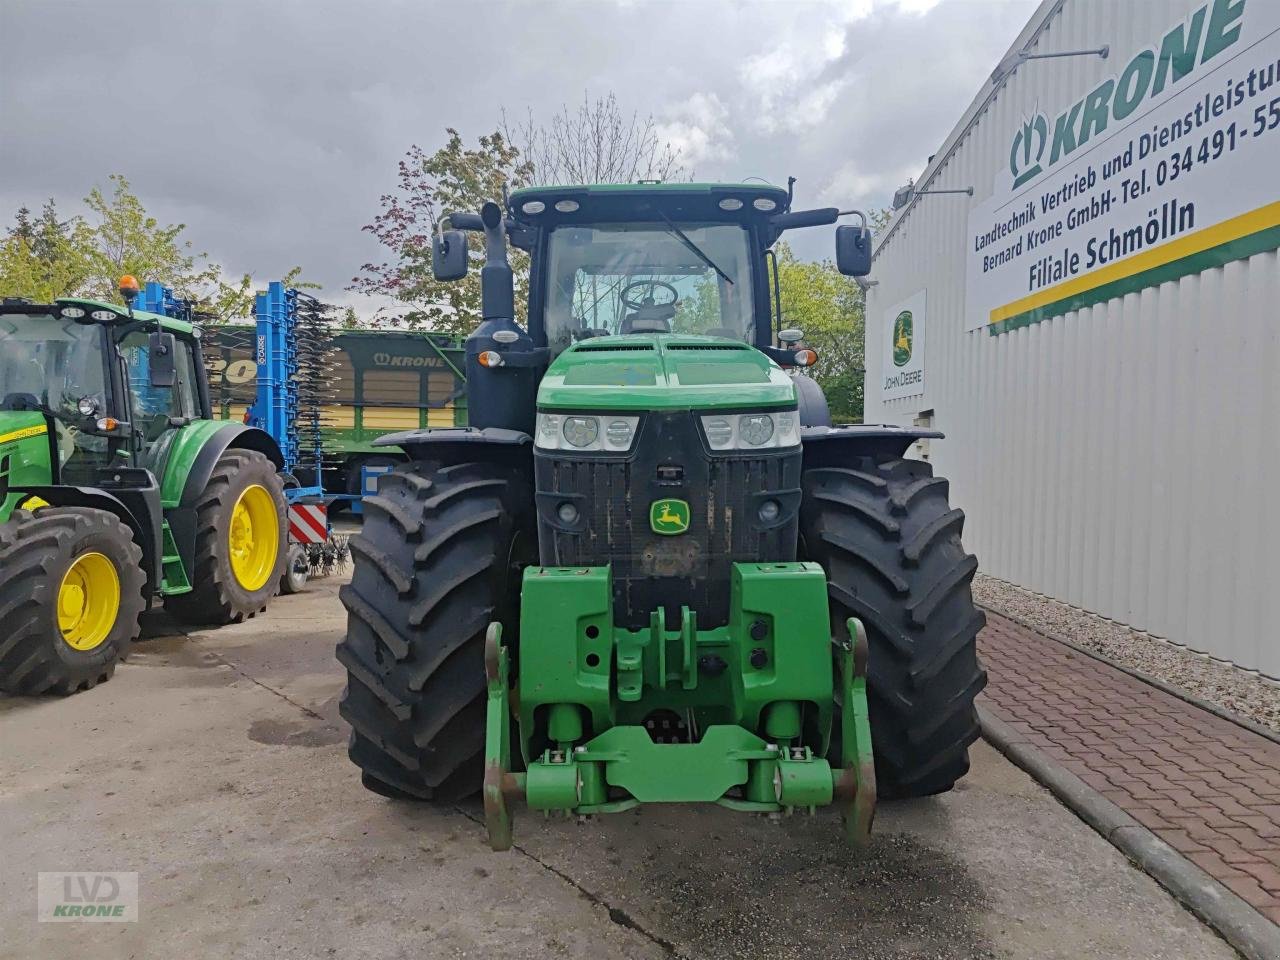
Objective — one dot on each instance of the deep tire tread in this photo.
(415, 695)
(36, 549)
(893, 558)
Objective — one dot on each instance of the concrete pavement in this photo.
(215, 766)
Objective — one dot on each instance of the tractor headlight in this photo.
(719, 432)
(581, 431)
(752, 431)
(756, 428)
(619, 432)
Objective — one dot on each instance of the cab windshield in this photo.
(605, 279)
(54, 361)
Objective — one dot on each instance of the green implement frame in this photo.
(744, 697)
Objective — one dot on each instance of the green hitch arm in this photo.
(500, 784)
(855, 787)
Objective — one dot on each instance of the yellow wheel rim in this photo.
(253, 540)
(88, 601)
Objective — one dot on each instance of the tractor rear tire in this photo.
(224, 589)
(50, 561)
(439, 558)
(890, 544)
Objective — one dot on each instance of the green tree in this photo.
(595, 142)
(45, 257)
(231, 301)
(126, 239)
(453, 179)
(830, 308)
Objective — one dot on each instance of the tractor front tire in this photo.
(241, 542)
(890, 544)
(71, 585)
(437, 560)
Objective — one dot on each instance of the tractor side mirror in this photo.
(449, 255)
(853, 250)
(161, 347)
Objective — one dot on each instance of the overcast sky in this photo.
(271, 128)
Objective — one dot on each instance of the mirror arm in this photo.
(470, 222)
(858, 213)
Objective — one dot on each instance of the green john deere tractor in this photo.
(117, 488)
(651, 570)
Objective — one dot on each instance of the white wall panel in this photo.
(1123, 458)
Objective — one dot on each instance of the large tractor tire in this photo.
(439, 557)
(890, 544)
(71, 586)
(241, 542)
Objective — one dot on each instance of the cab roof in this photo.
(648, 201)
(122, 314)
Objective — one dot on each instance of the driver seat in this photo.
(650, 318)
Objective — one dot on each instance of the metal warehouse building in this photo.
(1097, 326)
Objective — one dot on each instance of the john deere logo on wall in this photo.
(902, 337)
(669, 516)
(902, 354)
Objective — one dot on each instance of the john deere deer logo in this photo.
(903, 336)
(669, 516)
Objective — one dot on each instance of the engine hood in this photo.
(664, 371)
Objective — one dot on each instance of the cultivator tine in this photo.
(313, 376)
(497, 743)
(857, 786)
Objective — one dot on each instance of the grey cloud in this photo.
(271, 129)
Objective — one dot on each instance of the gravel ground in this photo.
(1239, 691)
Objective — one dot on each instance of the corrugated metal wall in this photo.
(1125, 458)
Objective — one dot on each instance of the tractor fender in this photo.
(448, 445)
(813, 403)
(195, 452)
(137, 507)
(192, 457)
(841, 446)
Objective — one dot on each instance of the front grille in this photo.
(612, 347)
(707, 346)
(612, 497)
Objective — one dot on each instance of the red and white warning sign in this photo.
(308, 523)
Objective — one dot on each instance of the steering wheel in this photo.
(648, 301)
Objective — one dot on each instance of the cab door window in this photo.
(153, 407)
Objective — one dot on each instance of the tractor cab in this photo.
(619, 259)
(110, 386)
(626, 260)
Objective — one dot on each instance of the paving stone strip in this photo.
(1206, 786)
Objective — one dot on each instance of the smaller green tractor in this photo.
(117, 488)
